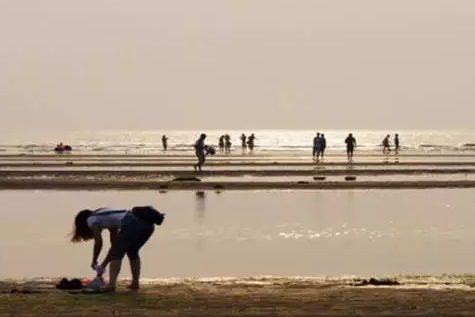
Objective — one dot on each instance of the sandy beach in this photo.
(257, 297)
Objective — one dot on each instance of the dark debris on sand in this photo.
(376, 282)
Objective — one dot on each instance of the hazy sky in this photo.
(186, 64)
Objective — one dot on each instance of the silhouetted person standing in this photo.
(200, 151)
(386, 146)
(243, 142)
(227, 143)
(164, 142)
(250, 142)
(396, 143)
(221, 143)
(316, 146)
(350, 146)
(323, 145)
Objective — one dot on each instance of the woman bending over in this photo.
(129, 231)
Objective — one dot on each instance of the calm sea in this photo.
(267, 141)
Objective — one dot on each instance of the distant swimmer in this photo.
(396, 143)
(164, 142)
(129, 232)
(200, 151)
(350, 146)
(386, 146)
(243, 142)
(316, 147)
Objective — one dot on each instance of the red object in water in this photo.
(85, 281)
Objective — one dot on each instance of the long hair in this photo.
(81, 231)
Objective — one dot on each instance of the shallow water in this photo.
(339, 178)
(271, 179)
(316, 169)
(259, 158)
(267, 141)
(244, 233)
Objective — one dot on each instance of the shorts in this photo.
(132, 236)
(201, 158)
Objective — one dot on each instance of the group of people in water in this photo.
(386, 144)
(318, 149)
(224, 142)
(319, 145)
(247, 142)
(224, 145)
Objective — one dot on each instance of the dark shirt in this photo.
(200, 147)
(350, 142)
(323, 143)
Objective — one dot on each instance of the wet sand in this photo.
(76, 183)
(244, 169)
(272, 179)
(146, 175)
(234, 172)
(115, 184)
(156, 161)
(230, 165)
(235, 298)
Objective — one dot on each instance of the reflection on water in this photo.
(200, 205)
(245, 233)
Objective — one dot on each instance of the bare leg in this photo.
(114, 271)
(135, 270)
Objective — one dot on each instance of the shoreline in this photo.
(234, 173)
(226, 164)
(163, 186)
(254, 298)
(256, 154)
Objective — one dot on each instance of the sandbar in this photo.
(231, 172)
(226, 164)
(118, 184)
